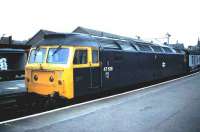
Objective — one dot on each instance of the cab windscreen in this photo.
(58, 56)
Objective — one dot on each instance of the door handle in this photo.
(90, 64)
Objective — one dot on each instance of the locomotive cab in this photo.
(59, 69)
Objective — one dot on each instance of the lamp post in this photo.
(168, 36)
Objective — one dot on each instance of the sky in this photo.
(148, 19)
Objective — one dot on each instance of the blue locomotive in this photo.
(77, 64)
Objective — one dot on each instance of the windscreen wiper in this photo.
(57, 49)
(36, 49)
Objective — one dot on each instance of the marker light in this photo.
(60, 82)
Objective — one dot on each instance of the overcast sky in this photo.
(145, 18)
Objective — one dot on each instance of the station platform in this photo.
(11, 89)
(168, 107)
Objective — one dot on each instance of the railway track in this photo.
(23, 108)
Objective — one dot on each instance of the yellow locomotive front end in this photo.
(49, 71)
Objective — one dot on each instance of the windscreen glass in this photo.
(58, 55)
(37, 55)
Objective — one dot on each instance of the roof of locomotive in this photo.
(72, 39)
(80, 39)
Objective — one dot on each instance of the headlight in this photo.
(35, 77)
(51, 79)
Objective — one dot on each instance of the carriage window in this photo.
(110, 46)
(157, 49)
(179, 51)
(167, 50)
(80, 57)
(134, 46)
(95, 56)
(173, 50)
(127, 47)
(144, 48)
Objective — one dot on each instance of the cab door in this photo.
(81, 71)
(86, 71)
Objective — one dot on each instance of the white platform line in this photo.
(12, 88)
(79, 104)
(20, 85)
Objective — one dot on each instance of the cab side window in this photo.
(95, 56)
(80, 57)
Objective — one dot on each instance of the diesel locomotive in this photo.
(73, 65)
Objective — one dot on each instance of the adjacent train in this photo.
(12, 63)
(13, 56)
(75, 64)
(193, 60)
